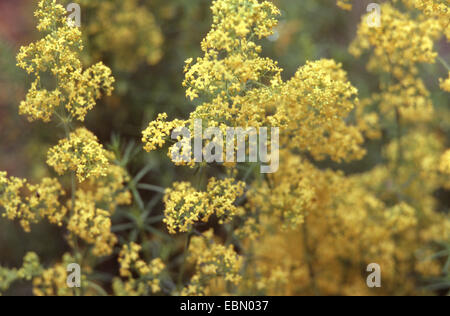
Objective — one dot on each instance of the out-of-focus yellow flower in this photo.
(438, 9)
(31, 268)
(30, 203)
(53, 281)
(345, 4)
(444, 166)
(91, 224)
(124, 31)
(317, 100)
(399, 44)
(445, 84)
(212, 261)
(149, 274)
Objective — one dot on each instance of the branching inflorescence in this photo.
(305, 229)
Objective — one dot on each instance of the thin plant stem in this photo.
(66, 122)
(444, 63)
(399, 141)
(308, 257)
(183, 264)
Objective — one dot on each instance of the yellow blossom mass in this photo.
(445, 84)
(212, 261)
(130, 262)
(29, 203)
(92, 224)
(122, 27)
(362, 176)
(57, 54)
(445, 162)
(185, 206)
(81, 153)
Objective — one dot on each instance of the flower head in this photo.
(80, 153)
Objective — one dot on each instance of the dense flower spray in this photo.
(58, 54)
(87, 210)
(303, 230)
(122, 31)
(149, 273)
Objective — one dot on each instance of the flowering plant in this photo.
(137, 223)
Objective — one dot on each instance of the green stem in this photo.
(97, 288)
(399, 141)
(66, 122)
(443, 62)
(151, 187)
(308, 258)
(183, 264)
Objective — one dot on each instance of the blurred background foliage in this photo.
(148, 66)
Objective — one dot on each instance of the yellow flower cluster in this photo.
(44, 197)
(421, 153)
(124, 31)
(410, 96)
(445, 163)
(212, 261)
(402, 42)
(29, 203)
(401, 217)
(304, 230)
(239, 88)
(399, 44)
(81, 153)
(30, 268)
(232, 78)
(438, 9)
(235, 22)
(110, 191)
(57, 54)
(445, 84)
(53, 281)
(317, 100)
(158, 132)
(149, 275)
(185, 206)
(344, 4)
(92, 224)
(289, 197)
(95, 202)
(11, 197)
(351, 212)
